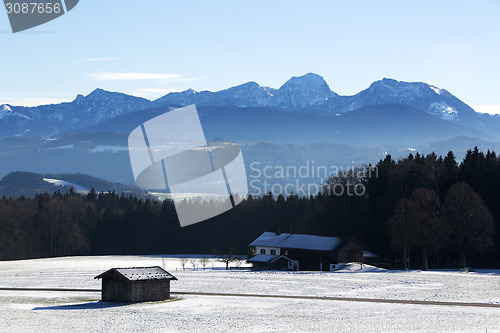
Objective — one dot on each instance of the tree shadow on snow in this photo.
(83, 306)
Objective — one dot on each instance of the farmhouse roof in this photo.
(139, 273)
(297, 241)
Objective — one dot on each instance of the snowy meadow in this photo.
(51, 311)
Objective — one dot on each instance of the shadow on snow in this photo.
(83, 306)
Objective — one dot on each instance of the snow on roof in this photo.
(297, 241)
(139, 273)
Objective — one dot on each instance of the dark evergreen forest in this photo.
(421, 211)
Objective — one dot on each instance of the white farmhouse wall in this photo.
(267, 249)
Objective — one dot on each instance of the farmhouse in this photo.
(136, 284)
(304, 252)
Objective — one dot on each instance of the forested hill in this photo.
(421, 208)
(28, 184)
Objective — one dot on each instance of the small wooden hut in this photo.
(136, 284)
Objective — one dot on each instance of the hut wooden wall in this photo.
(147, 291)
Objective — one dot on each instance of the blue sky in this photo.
(151, 47)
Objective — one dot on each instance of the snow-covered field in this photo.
(37, 311)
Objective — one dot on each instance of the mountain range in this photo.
(306, 95)
(303, 120)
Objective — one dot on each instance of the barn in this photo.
(304, 252)
(136, 284)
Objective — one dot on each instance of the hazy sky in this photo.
(151, 47)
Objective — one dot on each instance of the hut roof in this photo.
(139, 273)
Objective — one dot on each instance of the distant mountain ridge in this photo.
(309, 90)
(308, 94)
(28, 184)
(84, 111)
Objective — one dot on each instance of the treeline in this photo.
(421, 211)
(433, 211)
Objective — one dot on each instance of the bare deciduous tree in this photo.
(238, 263)
(204, 261)
(194, 263)
(183, 261)
(228, 257)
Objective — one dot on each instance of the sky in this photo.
(149, 48)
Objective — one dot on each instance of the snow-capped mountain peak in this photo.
(5, 108)
(306, 79)
(248, 94)
(400, 88)
(6, 111)
(431, 99)
(304, 91)
(100, 94)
